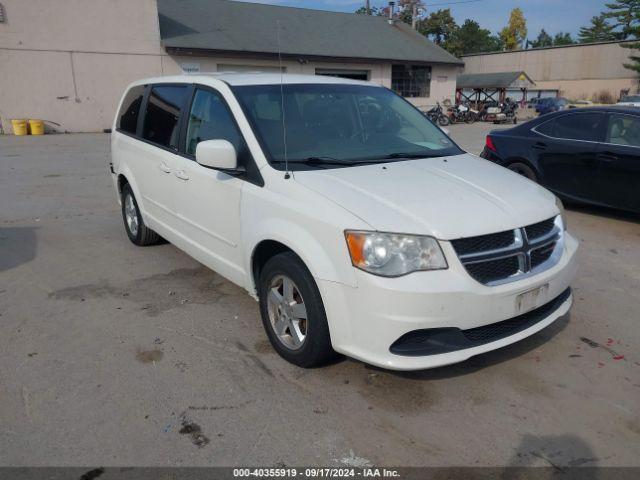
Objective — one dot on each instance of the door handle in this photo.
(607, 157)
(539, 146)
(181, 174)
(164, 167)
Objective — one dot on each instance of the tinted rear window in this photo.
(580, 126)
(583, 126)
(163, 113)
(128, 117)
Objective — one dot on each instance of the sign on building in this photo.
(190, 68)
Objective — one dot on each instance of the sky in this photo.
(552, 15)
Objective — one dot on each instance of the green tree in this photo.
(514, 34)
(563, 38)
(635, 59)
(439, 26)
(471, 38)
(598, 31)
(625, 15)
(634, 56)
(372, 11)
(543, 40)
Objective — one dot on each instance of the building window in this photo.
(411, 80)
(3, 14)
(350, 74)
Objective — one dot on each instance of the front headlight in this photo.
(560, 206)
(394, 254)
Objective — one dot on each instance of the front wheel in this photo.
(292, 312)
(443, 120)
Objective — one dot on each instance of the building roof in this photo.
(550, 47)
(494, 80)
(223, 26)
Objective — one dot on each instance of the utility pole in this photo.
(414, 14)
(416, 7)
(367, 6)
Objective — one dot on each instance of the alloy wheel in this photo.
(131, 215)
(287, 312)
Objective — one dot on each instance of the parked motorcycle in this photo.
(436, 115)
(507, 112)
(462, 113)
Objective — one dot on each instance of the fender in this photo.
(320, 253)
(126, 173)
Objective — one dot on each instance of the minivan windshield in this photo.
(333, 125)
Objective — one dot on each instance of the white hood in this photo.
(447, 197)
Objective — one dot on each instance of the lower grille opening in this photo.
(434, 341)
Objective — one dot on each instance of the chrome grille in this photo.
(508, 256)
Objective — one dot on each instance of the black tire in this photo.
(315, 350)
(524, 170)
(443, 120)
(143, 235)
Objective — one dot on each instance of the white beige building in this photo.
(574, 71)
(68, 61)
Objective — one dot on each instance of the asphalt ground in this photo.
(115, 355)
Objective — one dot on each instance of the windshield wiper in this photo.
(318, 161)
(395, 155)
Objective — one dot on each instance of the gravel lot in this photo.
(107, 351)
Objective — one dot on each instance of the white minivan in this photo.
(360, 226)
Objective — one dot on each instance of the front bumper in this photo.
(365, 321)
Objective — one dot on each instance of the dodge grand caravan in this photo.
(359, 226)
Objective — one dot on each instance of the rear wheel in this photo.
(134, 225)
(292, 312)
(443, 120)
(524, 170)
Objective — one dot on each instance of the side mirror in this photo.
(218, 154)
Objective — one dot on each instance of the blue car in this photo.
(548, 105)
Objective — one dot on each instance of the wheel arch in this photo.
(122, 181)
(525, 161)
(125, 177)
(262, 253)
(320, 255)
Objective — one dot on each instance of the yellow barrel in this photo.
(19, 127)
(36, 127)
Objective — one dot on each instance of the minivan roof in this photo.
(257, 78)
